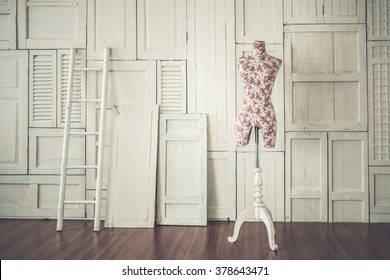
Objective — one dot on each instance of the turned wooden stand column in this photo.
(258, 211)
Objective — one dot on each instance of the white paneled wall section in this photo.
(378, 58)
(181, 55)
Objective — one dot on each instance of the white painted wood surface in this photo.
(378, 20)
(272, 165)
(112, 24)
(182, 170)
(43, 88)
(172, 86)
(51, 24)
(348, 177)
(259, 21)
(221, 186)
(79, 83)
(132, 191)
(213, 60)
(378, 59)
(345, 11)
(306, 177)
(8, 24)
(37, 196)
(13, 112)
(129, 82)
(45, 151)
(379, 193)
(328, 91)
(277, 98)
(161, 29)
(324, 11)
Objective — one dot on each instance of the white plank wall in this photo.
(272, 166)
(330, 94)
(112, 24)
(13, 112)
(8, 24)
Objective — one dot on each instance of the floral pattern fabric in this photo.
(258, 72)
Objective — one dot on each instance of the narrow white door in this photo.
(182, 170)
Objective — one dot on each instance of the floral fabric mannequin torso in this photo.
(258, 72)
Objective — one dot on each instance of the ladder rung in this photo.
(82, 167)
(83, 133)
(79, 201)
(87, 69)
(86, 100)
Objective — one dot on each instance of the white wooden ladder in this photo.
(68, 133)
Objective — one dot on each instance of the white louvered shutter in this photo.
(43, 88)
(172, 86)
(78, 110)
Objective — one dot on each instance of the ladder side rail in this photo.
(102, 126)
(65, 145)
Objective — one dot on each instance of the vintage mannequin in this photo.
(258, 72)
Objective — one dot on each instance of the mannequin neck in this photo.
(259, 48)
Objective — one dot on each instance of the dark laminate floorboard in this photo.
(37, 239)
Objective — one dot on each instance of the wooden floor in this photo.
(38, 239)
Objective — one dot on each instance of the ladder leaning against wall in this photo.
(68, 132)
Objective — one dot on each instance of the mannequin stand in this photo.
(258, 211)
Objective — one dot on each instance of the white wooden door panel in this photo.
(172, 86)
(182, 171)
(324, 11)
(51, 24)
(259, 20)
(13, 112)
(306, 176)
(378, 20)
(221, 185)
(348, 177)
(43, 88)
(213, 56)
(129, 82)
(344, 11)
(328, 90)
(161, 29)
(277, 98)
(303, 11)
(37, 196)
(8, 24)
(78, 109)
(379, 98)
(132, 191)
(379, 193)
(112, 24)
(45, 151)
(272, 166)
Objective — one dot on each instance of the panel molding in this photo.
(8, 24)
(32, 37)
(103, 18)
(378, 19)
(182, 196)
(379, 191)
